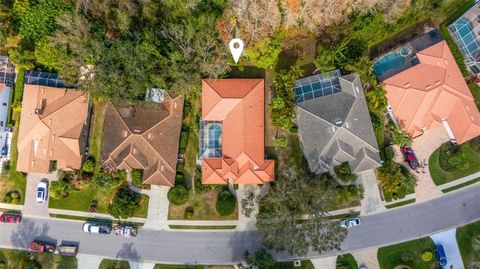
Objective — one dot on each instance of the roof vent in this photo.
(428, 87)
(149, 135)
(339, 123)
(38, 111)
(407, 85)
(437, 82)
(125, 133)
(137, 130)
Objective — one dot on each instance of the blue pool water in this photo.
(469, 43)
(388, 62)
(214, 134)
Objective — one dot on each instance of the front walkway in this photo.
(325, 263)
(372, 201)
(31, 207)
(448, 240)
(367, 258)
(157, 218)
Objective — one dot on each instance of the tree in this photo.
(265, 53)
(104, 180)
(293, 216)
(178, 195)
(226, 202)
(394, 178)
(260, 259)
(124, 203)
(88, 165)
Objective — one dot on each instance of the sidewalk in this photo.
(460, 181)
(92, 215)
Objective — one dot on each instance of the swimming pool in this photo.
(468, 42)
(214, 137)
(388, 62)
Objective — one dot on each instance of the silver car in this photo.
(42, 189)
(348, 223)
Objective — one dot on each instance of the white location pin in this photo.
(236, 48)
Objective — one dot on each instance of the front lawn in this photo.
(446, 167)
(114, 264)
(346, 261)
(468, 239)
(177, 266)
(407, 254)
(10, 258)
(306, 264)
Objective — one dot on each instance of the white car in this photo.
(348, 223)
(97, 228)
(42, 189)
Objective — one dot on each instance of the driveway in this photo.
(325, 263)
(367, 257)
(448, 240)
(372, 201)
(31, 207)
(157, 216)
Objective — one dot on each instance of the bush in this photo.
(88, 165)
(178, 195)
(59, 189)
(452, 158)
(226, 202)
(124, 203)
(281, 141)
(389, 153)
(104, 180)
(427, 256)
(343, 172)
(189, 210)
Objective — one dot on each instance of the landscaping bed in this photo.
(10, 258)
(346, 261)
(447, 164)
(468, 239)
(407, 254)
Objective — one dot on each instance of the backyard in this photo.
(408, 255)
(22, 259)
(468, 239)
(446, 164)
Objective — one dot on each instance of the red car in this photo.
(409, 157)
(10, 218)
(40, 246)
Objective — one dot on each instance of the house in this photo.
(334, 124)
(464, 32)
(53, 126)
(432, 93)
(7, 77)
(232, 132)
(144, 135)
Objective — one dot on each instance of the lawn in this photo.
(407, 254)
(114, 264)
(475, 90)
(10, 258)
(12, 180)
(306, 264)
(468, 239)
(410, 201)
(176, 266)
(346, 261)
(459, 186)
(204, 207)
(96, 132)
(470, 164)
(80, 200)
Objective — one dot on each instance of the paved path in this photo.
(325, 263)
(91, 215)
(460, 181)
(157, 208)
(133, 188)
(88, 261)
(11, 206)
(31, 207)
(367, 257)
(372, 201)
(224, 247)
(448, 240)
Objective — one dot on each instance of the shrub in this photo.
(88, 165)
(124, 203)
(178, 195)
(343, 172)
(453, 158)
(59, 189)
(389, 153)
(281, 141)
(189, 210)
(104, 180)
(427, 256)
(226, 202)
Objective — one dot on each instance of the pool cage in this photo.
(317, 86)
(7, 71)
(465, 32)
(210, 144)
(44, 79)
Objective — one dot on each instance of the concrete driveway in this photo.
(325, 263)
(31, 207)
(449, 243)
(372, 201)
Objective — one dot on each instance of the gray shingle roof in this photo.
(336, 128)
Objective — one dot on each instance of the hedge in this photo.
(226, 203)
(178, 195)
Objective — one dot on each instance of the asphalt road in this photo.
(216, 247)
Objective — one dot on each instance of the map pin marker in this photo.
(236, 48)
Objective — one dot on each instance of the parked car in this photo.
(440, 253)
(67, 250)
(41, 246)
(42, 192)
(10, 218)
(97, 228)
(125, 231)
(409, 157)
(348, 223)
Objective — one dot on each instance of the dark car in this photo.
(409, 157)
(10, 218)
(97, 228)
(440, 253)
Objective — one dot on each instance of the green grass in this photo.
(189, 227)
(12, 179)
(17, 259)
(468, 239)
(440, 176)
(475, 90)
(411, 201)
(111, 221)
(408, 254)
(114, 264)
(346, 261)
(177, 266)
(96, 133)
(306, 264)
(459, 186)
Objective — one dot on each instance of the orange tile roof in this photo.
(52, 127)
(239, 105)
(432, 91)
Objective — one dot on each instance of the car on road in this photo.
(97, 228)
(42, 192)
(350, 222)
(409, 157)
(125, 231)
(440, 253)
(41, 246)
(10, 218)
